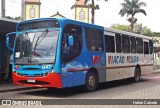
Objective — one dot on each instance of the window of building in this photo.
(118, 43)
(82, 15)
(94, 39)
(133, 44)
(139, 45)
(70, 53)
(110, 45)
(32, 12)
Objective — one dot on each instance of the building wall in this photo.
(86, 14)
(37, 11)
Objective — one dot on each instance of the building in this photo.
(6, 26)
(81, 11)
(31, 9)
(58, 15)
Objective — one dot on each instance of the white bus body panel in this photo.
(125, 69)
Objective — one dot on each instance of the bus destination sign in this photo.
(38, 25)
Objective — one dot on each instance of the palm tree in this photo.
(132, 7)
(93, 8)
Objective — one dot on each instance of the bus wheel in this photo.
(137, 74)
(91, 81)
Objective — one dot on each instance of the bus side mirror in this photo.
(70, 40)
(10, 37)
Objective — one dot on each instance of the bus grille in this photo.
(35, 75)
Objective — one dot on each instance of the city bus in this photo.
(60, 53)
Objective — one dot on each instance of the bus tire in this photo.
(91, 81)
(137, 74)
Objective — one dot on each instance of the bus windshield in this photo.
(36, 47)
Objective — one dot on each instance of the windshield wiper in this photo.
(40, 39)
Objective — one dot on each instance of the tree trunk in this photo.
(92, 20)
(132, 23)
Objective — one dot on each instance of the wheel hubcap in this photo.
(91, 81)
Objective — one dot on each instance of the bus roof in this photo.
(126, 33)
(66, 21)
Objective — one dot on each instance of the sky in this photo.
(106, 16)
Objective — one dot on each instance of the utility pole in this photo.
(2, 8)
(22, 10)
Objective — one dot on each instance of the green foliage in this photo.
(147, 31)
(156, 34)
(132, 7)
(14, 18)
(9, 17)
(121, 27)
(138, 29)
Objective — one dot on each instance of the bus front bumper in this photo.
(51, 80)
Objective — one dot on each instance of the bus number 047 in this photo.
(46, 67)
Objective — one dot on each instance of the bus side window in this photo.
(125, 44)
(110, 45)
(70, 53)
(151, 47)
(94, 40)
(146, 48)
(139, 45)
(118, 43)
(133, 44)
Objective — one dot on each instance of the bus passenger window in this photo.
(118, 43)
(146, 48)
(139, 45)
(69, 53)
(151, 47)
(94, 40)
(110, 45)
(125, 44)
(133, 44)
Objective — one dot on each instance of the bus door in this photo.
(147, 57)
(111, 73)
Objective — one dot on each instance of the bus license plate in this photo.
(31, 80)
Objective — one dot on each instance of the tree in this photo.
(137, 29)
(147, 31)
(8, 17)
(156, 34)
(16, 18)
(121, 27)
(132, 8)
(93, 8)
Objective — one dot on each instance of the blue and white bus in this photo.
(59, 53)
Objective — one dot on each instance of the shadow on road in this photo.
(17, 89)
(67, 92)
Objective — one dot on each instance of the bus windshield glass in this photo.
(36, 47)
